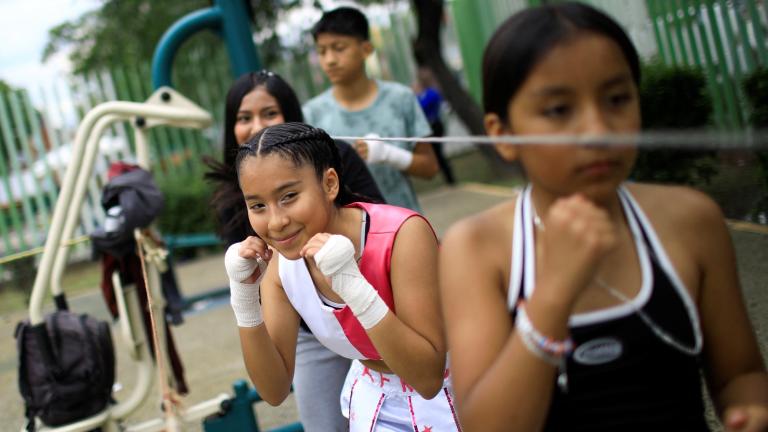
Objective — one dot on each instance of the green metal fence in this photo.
(726, 38)
(36, 138)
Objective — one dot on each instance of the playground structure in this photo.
(164, 107)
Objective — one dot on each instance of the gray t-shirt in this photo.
(394, 113)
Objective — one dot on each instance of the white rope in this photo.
(145, 246)
(688, 139)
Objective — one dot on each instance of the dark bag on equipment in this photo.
(66, 367)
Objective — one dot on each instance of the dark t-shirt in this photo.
(356, 174)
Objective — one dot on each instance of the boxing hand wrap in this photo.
(244, 297)
(336, 260)
(382, 152)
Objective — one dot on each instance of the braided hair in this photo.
(303, 145)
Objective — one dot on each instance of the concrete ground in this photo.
(208, 341)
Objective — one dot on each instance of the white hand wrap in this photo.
(336, 259)
(244, 297)
(382, 152)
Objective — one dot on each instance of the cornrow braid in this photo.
(301, 144)
(313, 133)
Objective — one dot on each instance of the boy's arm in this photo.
(421, 160)
(424, 163)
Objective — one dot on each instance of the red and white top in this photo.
(338, 329)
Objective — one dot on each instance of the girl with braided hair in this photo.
(362, 276)
(254, 101)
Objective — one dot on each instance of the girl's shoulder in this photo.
(677, 209)
(674, 202)
(490, 228)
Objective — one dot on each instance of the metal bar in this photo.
(717, 95)
(16, 219)
(653, 13)
(118, 130)
(746, 44)
(93, 212)
(5, 229)
(403, 48)
(757, 27)
(158, 137)
(690, 15)
(731, 39)
(13, 154)
(673, 7)
(469, 27)
(123, 92)
(56, 234)
(170, 139)
(738, 69)
(174, 37)
(58, 143)
(41, 209)
(49, 186)
(668, 31)
(716, 89)
(732, 112)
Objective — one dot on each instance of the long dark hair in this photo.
(275, 85)
(227, 199)
(303, 145)
(523, 39)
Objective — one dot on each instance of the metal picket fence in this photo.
(725, 38)
(38, 125)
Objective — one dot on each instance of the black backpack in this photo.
(66, 367)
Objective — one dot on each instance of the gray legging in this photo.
(317, 383)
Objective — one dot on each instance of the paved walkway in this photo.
(208, 341)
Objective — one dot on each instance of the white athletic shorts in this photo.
(375, 401)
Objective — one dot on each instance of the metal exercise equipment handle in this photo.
(228, 18)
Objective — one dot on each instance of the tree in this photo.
(5, 87)
(126, 32)
(427, 49)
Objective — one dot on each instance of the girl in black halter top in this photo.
(589, 303)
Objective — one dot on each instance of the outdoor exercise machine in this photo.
(165, 107)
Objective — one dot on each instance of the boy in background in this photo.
(357, 105)
(431, 102)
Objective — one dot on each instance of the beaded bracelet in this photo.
(550, 350)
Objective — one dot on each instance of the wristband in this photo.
(244, 297)
(550, 350)
(383, 152)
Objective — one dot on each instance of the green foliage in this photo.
(756, 88)
(126, 32)
(5, 87)
(19, 274)
(187, 209)
(674, 98)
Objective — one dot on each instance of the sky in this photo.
(24, 26)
